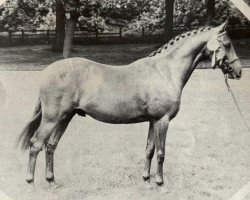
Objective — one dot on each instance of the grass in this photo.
(207, 147)
(38, 57)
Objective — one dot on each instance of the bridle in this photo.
(231, 60)
(222, 61)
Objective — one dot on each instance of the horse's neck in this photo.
(184, 57)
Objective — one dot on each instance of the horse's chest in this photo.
(164, 103)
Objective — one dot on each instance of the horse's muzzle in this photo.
(233, 75)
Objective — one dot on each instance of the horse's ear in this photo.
(223, 26)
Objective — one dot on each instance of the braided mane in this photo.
(178, 38)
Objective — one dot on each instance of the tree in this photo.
(169, 17)
(102, 15)
(60, 27)
(72, 9)
(99, 12)
(210, 12)
(25, 14)
(69, 34)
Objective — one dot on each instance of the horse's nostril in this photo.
(240, 72)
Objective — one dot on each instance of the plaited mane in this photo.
(178, 38)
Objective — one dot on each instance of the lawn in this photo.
(207, 149)
(38, 57)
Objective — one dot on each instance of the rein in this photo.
(227, 69)
(236, 103)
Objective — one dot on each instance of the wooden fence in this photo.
(47, 36)
(20, 37)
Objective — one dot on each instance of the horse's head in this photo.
(222, 53)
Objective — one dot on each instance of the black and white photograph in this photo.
(125, 100)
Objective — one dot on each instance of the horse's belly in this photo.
(113, 119)
(115, 112)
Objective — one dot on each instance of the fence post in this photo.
(10, 36)
(22, 35)
(120, 33)
(48, 36)
(143, 31)
(96, 35)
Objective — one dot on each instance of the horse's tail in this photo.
(23, 140)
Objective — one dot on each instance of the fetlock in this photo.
(50, 148)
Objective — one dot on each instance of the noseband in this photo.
(232, 60)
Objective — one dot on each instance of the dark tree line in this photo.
(74, 13)
(99, 15)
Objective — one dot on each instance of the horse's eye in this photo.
(227, 44)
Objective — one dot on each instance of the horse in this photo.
(147, 90)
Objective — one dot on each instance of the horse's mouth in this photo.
(234, 76)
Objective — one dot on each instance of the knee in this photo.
(160, 157)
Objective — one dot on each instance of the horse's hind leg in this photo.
(36, 143)
(51, 145)
(150, 148)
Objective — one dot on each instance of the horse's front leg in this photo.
(150, 148)
(160, 132)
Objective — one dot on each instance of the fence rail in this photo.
(19, 37)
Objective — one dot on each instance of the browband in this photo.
(232, 60)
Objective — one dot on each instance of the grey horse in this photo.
(148, 89)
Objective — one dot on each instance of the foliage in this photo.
(226, 10)
(186, 13)
(102, 15)
(25, 14)
(99, 14)
(151, 16)
(190, 13)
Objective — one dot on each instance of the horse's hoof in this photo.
(50, 179)
(146, 176)
(30, 179)
(159, 181)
